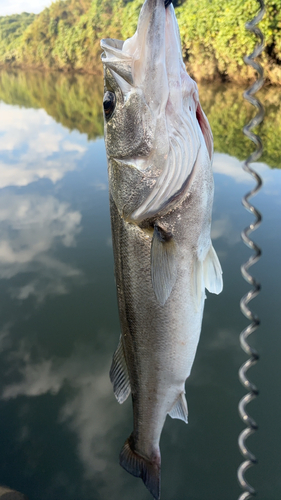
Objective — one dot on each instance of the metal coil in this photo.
(250, 459)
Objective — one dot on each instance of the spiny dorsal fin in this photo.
(163, 263)
(179, 409)
(138, 466)
(212, 272)
(119, 375)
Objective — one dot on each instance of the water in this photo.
(61, 428)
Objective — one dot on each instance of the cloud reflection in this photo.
(91, 411)
(32, 226)
(232, 167)
(33, 147)
(5, 340)
(224, 228)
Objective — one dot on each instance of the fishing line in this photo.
(251, 425)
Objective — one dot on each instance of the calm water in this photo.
(61, 428)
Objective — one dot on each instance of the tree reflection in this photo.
(75, 101)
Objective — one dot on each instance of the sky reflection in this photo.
(33, 146)
(62, 428)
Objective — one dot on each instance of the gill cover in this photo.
(151, 62)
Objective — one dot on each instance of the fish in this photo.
(159, 148)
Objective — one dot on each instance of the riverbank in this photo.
(66, 37)
(206, 73)
(67, 70)
(75, 101)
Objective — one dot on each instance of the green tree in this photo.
(66, 36)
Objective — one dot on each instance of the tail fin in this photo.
(135, 464)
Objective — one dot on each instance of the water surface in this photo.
(61, 428)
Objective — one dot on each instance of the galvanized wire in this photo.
(250, 458)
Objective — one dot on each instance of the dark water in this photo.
(61, 428)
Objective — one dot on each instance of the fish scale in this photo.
(161, 194)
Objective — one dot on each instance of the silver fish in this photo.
(159, 147)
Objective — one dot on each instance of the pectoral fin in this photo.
(163, 263)
(179, 409)
(119, 375)
(212, 272)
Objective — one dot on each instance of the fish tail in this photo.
(148, 470)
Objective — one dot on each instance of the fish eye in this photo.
(109, 102)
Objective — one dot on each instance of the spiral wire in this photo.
(250, 459)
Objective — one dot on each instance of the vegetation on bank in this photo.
(12, 29)
(75, 101)
(66, 35)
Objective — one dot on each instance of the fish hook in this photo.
(250, 459)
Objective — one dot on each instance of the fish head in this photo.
(153, 118)
(136, 87)
(127, 117)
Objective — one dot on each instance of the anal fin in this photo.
(212, 272)
(179, 410)
(148, 470)
(119, 375)
(163, 264)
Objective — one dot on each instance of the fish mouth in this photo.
(144, 52)
(118, 62)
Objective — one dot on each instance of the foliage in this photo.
(228, 112)
(76, 102)
(11, 31)
(215, 41)
(66, 35)
(72, 100)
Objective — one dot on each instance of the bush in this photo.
(215, 41)
(66, 35)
